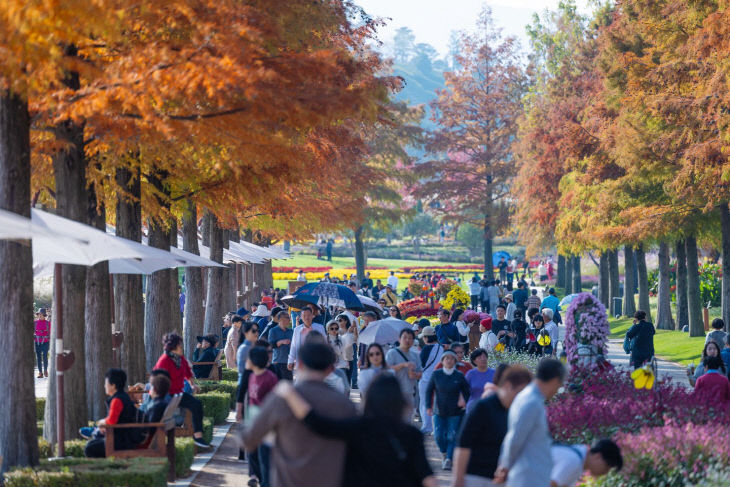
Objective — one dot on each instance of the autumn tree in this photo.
(469, 176)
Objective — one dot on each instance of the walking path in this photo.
(619, 358)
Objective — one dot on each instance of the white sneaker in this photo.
(446, 465)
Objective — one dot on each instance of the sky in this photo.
(433, 20)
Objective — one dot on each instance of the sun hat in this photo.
(262, 310)
(428, 331)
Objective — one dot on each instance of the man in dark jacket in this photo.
(121, 410)
(205, 351)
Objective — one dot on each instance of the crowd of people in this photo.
(297, 368)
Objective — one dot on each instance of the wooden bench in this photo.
(157, 446)
(216, 372)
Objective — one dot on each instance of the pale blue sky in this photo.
(433, 20)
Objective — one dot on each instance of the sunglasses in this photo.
(335, 328)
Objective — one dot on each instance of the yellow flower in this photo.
(643, 377)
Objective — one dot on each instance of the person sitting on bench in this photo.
(205, 351)
(121, 410)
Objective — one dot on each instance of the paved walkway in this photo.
(619, 358)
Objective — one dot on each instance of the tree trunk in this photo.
(98, 320)
(629, 284)
(725, 222)
(360, 263)
(157, 319)
(488, 263)
(614, 283)
(561, 271)
(603, 280)
(213, 301)
(577, 280)
(175, 311)
(694, 303)
(681, 291)
(568, 275)
(194, 310)
(236, 275)
(664, 320)
(128, 302)
(643, 280)
(69, 165)
(18, 441)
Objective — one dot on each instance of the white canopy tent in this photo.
(17, 227)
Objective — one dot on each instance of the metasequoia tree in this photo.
(471, 171)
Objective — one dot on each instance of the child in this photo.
(260, 383)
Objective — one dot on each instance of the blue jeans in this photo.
(445, 428)
(41, 355)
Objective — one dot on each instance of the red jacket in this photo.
(714, 386)
(177, 375)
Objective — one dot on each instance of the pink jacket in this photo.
(42, 331)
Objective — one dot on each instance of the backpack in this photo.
(628, 344)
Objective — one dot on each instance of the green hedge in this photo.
(39, 427)
(92, 472)
(207, 429)
(216, 405)
(74, 448)
(225, 386)
(230, 375)
(184, 453)
(40, 408)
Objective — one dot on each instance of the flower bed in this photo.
(417, 307)
(666, 434)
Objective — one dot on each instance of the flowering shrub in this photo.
(444, 286)
(590, 331)
(710, 283)
(511, 358)
(416, 288)
(443, 269)
(456, 298)
(375, 273)
(672, 455)
(303, 269)
(417, 307)
(600, 403)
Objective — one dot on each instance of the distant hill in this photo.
(422, 81)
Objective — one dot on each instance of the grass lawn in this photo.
(675, 346)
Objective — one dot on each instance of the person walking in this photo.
(340, 343)
(430, 357)
(481, 434)
(406, 365)
(375, 364)
(300, 332)
(451, 391)
(552, 328)
(534, 301)
(713, 386)
(717, 334)
(642, 335)
(479, 376)
(176, 365)
(524, 459)
(711, 350)
(233, 341)
(382, 448)
(551, 301)
(520, 296)
(301, 457)
(493, 295)
(280, 338)
(474, 290)
(42, 339)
